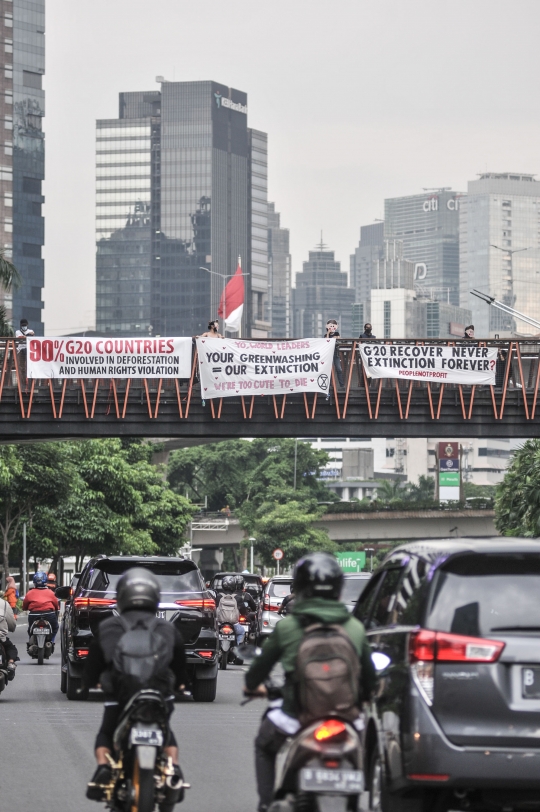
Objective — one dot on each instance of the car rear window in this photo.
(480, 595)
(277, 590)
(353, 588)
(173, 577)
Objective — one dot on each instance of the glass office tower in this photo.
(428, 226)
(179, 174)
(280, 274)
(22, 156)
(500, 250)
(321, 293)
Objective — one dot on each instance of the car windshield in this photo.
(480, 595)
(353, 588)
(173, 577)
(277, 590)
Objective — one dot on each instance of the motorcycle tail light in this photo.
(329, 730)
(241, 619)
(227, 629)
(197, 603)
(82, 652)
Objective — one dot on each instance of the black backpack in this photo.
(141, 658)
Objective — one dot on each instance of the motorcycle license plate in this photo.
(319, 780)
(153, 738)
(40, 632)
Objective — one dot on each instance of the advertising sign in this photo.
(449, 472)
(352, 562)
(466, 364)
(82, 357)
(232, 366)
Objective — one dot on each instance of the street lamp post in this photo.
(224, 277)
(370, 550)
(251, 541)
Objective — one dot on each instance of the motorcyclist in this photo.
(137, 597)
(42, 602)
(51, 581)
(8, 624)
(234, 585)
(318, 580)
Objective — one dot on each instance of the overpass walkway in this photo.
(170, 408)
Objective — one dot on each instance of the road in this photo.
(46, 743)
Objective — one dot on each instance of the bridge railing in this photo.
(517, 381)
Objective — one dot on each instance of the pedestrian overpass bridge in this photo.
(32, 410)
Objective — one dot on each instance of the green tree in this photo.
(517, 505)
(387, 490)
(9, 278)
(30, 476)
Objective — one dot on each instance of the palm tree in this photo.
(388, 490)
(9, 278)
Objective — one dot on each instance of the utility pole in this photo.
(24, 578)
(295, 459)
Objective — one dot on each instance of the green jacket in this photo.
(282, 645)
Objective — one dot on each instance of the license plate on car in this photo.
(153, 738)
(530, 682)
(316, 779)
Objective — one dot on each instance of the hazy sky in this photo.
(362, 100)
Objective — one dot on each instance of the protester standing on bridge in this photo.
(367, 331)
(212, 331)
(469, 331)
(333, 332)
(23, 331)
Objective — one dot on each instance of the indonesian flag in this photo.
(231, 305)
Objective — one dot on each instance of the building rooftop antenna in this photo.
(321, 246)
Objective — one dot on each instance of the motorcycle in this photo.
(227, 640)
(143, 775)
(4, 673)
(40, 643)
(320, 768)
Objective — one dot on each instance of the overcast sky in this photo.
(362, 100)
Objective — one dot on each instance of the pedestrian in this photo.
(212, 331)
(333, 332)
(11, 594)
(469, 331)
(23, 331)
(368, 331)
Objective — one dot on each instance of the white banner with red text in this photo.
(82, 357)
(230, 366)
(466, 363)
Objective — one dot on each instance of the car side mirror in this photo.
(63, 593)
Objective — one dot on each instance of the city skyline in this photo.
(346, 131)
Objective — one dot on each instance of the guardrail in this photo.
(517, 372)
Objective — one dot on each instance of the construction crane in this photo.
(510, 311)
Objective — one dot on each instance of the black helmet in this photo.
(138, 588)
(318, 575)
(239, 581)
(229, 583)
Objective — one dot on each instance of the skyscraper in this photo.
(321, 293)
(500, 250)
(280, 274)
(181, 187)
(369, 249)
(428, 226)
(22, 164)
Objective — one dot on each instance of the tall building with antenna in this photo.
(181, 194)
(321, 293)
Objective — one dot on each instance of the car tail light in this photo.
(206, 654)
(85, 603)
(241, 619)
(329, 730)
(428, 647)
(445, 648)
(197, 603)
(82, 652)
(227, 629)
(267, 606)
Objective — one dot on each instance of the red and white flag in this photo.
(231, 305)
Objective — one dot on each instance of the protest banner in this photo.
(82, 357)
(465, 363)
(230, 367)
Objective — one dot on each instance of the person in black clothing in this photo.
(234, 584)
(138, 597)
(469, 331)
(333, 332)
(368, 331)
(288, 602)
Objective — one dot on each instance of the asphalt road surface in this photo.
(46, 743)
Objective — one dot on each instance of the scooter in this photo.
(4, 673)
(143, 775)
(40, 645)
(227, 639)
(320, 768)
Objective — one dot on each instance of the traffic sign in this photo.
(278, 554)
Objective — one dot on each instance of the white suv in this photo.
(274, 592)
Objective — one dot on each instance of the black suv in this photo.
(185, 601)
(455, 632)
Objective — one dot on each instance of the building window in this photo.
(32, 186)
(31, 249)
(34, 122)
(8, 19)
(8, 46)
(387, 319)
(8, 122)
(432, 319)
(31, 79)
(9, 96)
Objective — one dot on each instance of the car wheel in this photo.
(204, 690)
(381, 800)
(63, 680)
(73, 686)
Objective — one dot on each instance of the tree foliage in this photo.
(517, 505)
